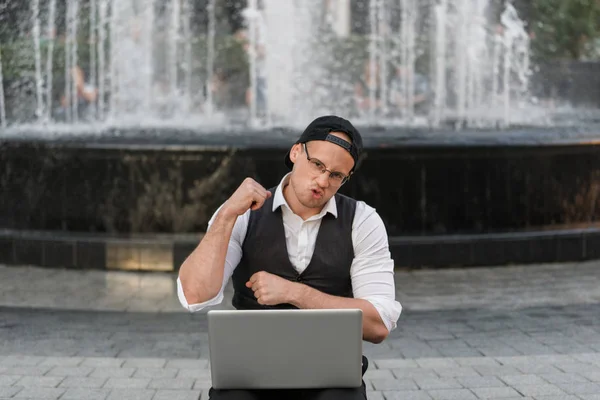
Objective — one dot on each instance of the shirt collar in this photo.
(279, 200)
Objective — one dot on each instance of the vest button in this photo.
(299, 278)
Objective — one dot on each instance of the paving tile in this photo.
(61, 362)
(496, 351)
(393, 384)
(85, 394)
(131, 394)
(40, 393)
(395, 364)
(174, 384)
(21, 361)
(26, 371)
(70, 371)
(408, 373)
(203, 384)
(495, 392)
(107, 372)
(375, 395)
(194, 373)
(476, 361)
(459, 352)
(563, 378)
(590, 396)
(525, 379)
(187, 364)
(593, 375)
(456, 372)
(485, 370)
(102, 362)
(580, 388)
(471, 382)
(156, 373)
(578, 367)
(437, 383)
(7, 392)
(537, 369)
(515, 398)
(378, 374)
(8, 380)
(83, 382)
(39, 381)
(451, 394)
(539, 390)
(127, 383)
(145, 363)
(592, 358)
(406, 395)
(437, 363)
(177, 395)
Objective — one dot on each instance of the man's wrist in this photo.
(297, 292)
(226, 216)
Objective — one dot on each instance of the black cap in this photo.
(321, 128)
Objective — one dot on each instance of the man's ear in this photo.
(295, 151)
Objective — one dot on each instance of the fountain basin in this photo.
(141, 198)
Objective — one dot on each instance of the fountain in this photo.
(146, 70)
(174, 106)
(2, 106)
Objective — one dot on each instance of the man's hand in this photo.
(250, 194)
(270, 289)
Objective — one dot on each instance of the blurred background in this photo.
(271, 63)
(140, 117)
(124, 124)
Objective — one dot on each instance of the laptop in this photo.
(285, 349)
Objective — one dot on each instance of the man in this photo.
(299, 245)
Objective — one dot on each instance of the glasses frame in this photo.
(312, 160)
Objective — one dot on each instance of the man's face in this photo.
(312, 188)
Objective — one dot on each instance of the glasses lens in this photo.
(317, 166)
(336, 178)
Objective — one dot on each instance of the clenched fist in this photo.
(250, 194)
(270, 289)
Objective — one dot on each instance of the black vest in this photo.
(265, 249)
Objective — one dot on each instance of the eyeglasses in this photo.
(317, 167)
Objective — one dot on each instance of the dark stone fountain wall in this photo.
(442, 204)
(115, 191)
(417, 191)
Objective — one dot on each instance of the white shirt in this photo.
(372, 270)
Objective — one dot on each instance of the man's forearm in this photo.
(201, 274)
(303, 296)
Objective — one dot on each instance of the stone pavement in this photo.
(522, 332)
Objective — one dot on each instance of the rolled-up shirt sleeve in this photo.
(372, 269)
(232, 259)
(199, 306)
